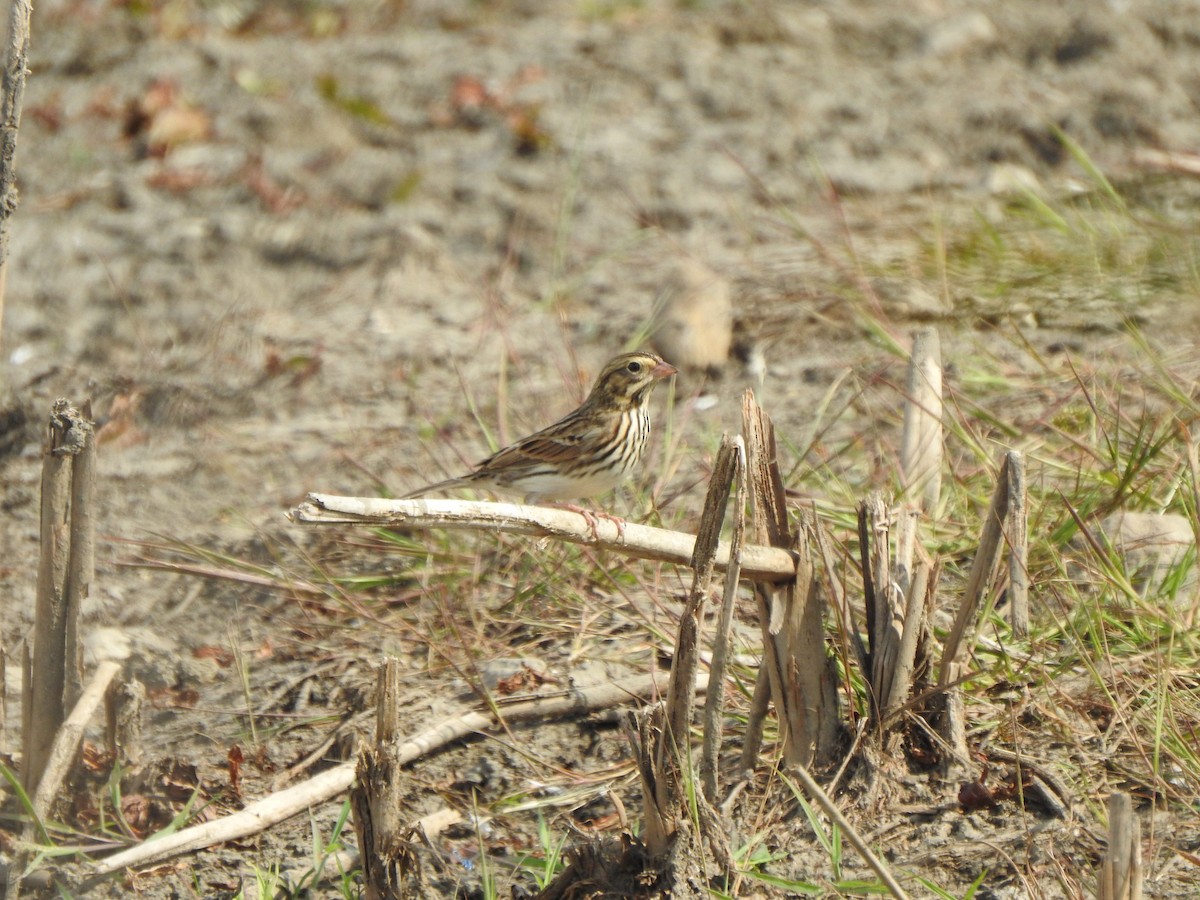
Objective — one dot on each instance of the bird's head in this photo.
(628, 380)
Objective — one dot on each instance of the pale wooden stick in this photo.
(921, 441)
(62, 755)
(1017, 533)
(758, 563)
(1121, 874)
(760, 702)
(1170, 161)
(809, 713)
(262, 814)
(900, 685)
(16, 67)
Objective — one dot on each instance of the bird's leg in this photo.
(593, 519)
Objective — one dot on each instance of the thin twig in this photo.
(856, 840)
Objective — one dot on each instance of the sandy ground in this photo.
(287, 247)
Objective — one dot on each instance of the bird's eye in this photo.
(634, 367)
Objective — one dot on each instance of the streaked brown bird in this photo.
(585, 453)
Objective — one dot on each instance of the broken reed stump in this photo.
(52, 673)
(796, 676)
(677, 823)
(714, 701)
(898, 597)
(375, 797)
(1121, 872)
(987, 558)
(1016, 535)
(1004, 522)
(921, 440)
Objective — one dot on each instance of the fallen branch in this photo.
(759, 563)
(333, 782)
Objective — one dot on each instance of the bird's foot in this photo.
(593, 519)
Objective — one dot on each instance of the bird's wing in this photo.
(556, 444)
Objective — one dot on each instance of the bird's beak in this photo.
(663, 370)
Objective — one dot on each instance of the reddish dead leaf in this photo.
(49, 114)
(94, 758)
(469, 94)
(179, 181)
(119, 426)
(300, 366)
(523, 680)
(235, 769)
(179, 698)
(180, 781)
(176, 126)
(162, 119)
(137, 811)
(274, 197)
(266, 650)
(222, 656)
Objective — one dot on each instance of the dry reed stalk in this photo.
(376, 797)
(714, 702)
(982, 570)
(12, 99)
(681, 692)
(1121, 872)
(800, 677)
(921, 442)
(64, 576)
(898, 594)
(1017, 537)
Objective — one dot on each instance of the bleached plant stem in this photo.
(771, 564)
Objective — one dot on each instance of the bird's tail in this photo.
(446, 485)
